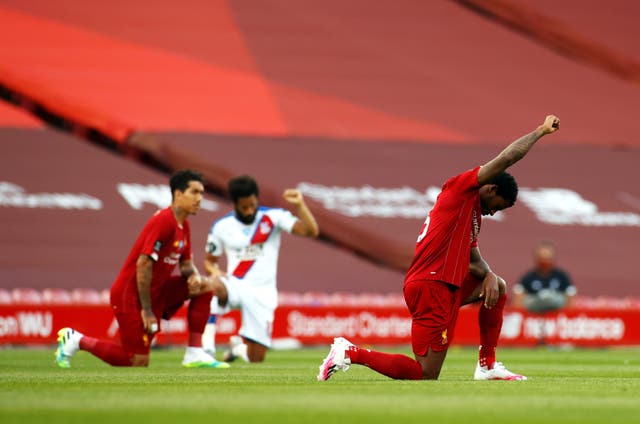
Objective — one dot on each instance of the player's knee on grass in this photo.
(140, 361)
(432, 364)
(256, 352)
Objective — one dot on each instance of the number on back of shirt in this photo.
(423, 232)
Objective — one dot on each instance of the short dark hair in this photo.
(243, 186)
(506, 187)
(180, 180)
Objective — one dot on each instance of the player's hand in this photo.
(194, 283)
(293, 196)
(149, 321)
(490, 291)
(551, 124)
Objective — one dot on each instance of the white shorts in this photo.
(257, 304)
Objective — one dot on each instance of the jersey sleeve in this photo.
(214, 242)
(468, 180)
(157, 233)
(464, 182)
(284, 219)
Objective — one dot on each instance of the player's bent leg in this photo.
(177, 293)
(140, 360)
(108, 351)
(256, 352)
(432, 364)
(343, 354)
(209, 335)
(258, 311)
(216, 286)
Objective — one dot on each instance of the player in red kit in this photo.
(447, 272)
(145, 292)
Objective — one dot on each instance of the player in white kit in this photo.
(249, 237)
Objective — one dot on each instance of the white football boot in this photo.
(498, 372)
(336, 359)
(68, 345)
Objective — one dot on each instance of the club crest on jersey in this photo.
(179, 244)
(262, 233)
(265, 228)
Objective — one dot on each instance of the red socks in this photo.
(197, 316)
(110, 352)
(490, 321)
(396, 366)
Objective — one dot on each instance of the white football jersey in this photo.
(251, 250)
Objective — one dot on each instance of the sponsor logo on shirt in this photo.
(475, 227)
(251, 252)
(173, 258)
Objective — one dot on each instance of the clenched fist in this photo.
(293, 196)
(551, 124)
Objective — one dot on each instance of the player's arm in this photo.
(187, 268)
(516, 150)
(212, 265)
(144, 274)
(480, 269)
(306, 224)
(190, 273)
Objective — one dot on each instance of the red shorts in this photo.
(132, 335)
(434, 307)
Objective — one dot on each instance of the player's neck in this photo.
(179, 214)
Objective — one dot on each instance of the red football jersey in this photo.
(167, 244)
(444, 245)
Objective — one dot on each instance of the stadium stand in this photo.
(367, 107)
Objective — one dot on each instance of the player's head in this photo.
(244, 193)
(501, 193)
(187, 189)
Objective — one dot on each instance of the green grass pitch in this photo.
(576, 386)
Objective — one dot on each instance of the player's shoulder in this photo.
(279, 215)
(269, 210)
(466, 181)
(162, 215)
(225, 220)
(466, 176)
